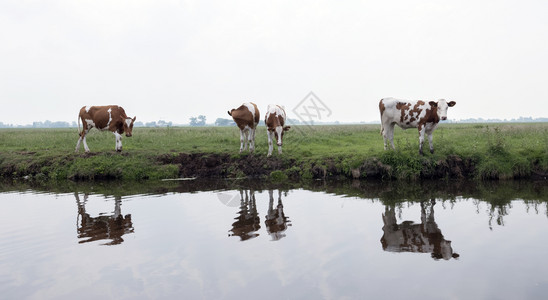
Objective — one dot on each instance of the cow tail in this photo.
(79, 133)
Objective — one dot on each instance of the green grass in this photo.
(490, 151)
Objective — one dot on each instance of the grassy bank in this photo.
(494, 151)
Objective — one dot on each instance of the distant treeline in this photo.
(200, 121)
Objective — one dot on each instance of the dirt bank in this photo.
(223, 165)
(135, 166)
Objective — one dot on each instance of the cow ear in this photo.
(451, 103)
(433, 103)
(123, 119)
(286, 128)
(134, 118)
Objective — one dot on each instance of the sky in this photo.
(172, 60)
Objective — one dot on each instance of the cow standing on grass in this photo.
(111, 117)
(275, 121)
(246, 117)
(412, 114)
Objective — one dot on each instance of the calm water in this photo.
(246, 240)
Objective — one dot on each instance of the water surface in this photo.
(249, 239)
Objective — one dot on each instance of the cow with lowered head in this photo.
(112, 118)
(275, 120)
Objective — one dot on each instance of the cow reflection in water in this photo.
(409, 237)
(102, 227)
(276, 221)
(248, 222)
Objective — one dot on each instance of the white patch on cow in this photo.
(90, 123)
(251, 108)
(279, 130)
(109, 119)
(128, 121)
(87, 108)
(442, 109)
(276, 109)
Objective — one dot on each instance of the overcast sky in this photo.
(171, 60)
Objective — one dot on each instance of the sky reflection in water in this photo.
(334, 240)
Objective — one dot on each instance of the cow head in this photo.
(279, 133)
(441, 107)
(128, 125)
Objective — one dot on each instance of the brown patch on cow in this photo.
(273, 120)
(382, 108)
(243, 117)
(431, 115)
(257, 114)
(403, 107)
(416, 109)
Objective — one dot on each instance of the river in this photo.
(250, 239)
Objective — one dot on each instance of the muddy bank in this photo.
(147, 166)
(206, 165)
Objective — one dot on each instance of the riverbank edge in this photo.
(391, 165)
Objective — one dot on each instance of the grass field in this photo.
(483, 151)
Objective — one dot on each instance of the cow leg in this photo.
(422, 129)
(430, 141)
(242, 140)
(246, 139)
(81, 139)
(389, 132)
(270, 147)
(118, 141)
(383, 135)
(78, 144)
(251, 140)
(85, 143)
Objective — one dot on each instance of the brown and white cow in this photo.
(111, 117)
(275, 121)
(412, 114)
(246, 117)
